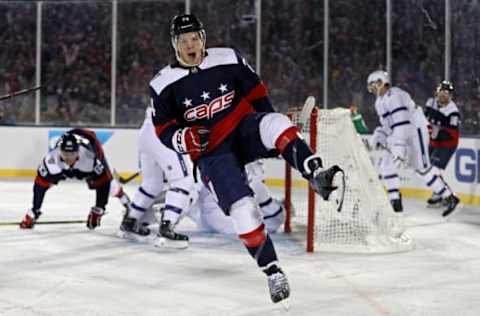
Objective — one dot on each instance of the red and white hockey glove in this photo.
(30, 218)
(191, 140)
(95, 217)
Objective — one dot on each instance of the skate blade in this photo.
(162, 242)
(435, 206)
(285, 304)
(133, 237)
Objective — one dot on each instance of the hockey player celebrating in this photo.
(211, 105)
(403, 135)
(77, 154)
(444, 118)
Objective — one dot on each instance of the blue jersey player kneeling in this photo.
(211, 105)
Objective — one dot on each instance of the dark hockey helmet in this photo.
(183, 24)
(445, 85)
(68, 143)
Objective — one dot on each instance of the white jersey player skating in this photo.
(78, 154)
(403, 134)
(160, 165)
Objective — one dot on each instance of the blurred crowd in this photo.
(77, 50)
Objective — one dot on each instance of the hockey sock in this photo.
(392, 182)
(435, 182)
(263, 253)
(295, 154)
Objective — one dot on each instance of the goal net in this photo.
(366, 222)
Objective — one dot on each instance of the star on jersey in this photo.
(187, 102)
(222, 88)
(205, 95)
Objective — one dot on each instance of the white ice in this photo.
(69, 270)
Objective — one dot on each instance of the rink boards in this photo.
(24, 147)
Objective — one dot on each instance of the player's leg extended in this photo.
(277, 132)
(227, 181)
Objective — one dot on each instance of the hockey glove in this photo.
(30, 218)
(191, 140)
(378, 139)
(95, 217)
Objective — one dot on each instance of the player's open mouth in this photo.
(192, 55)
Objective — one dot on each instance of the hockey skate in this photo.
(435, 201)
(397, 205)
(130, 228)
(278, 285)
(168, 238)
(30, 218)
(324, 181)
(452, 206)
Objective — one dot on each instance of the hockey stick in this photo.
(306, 111)
(46, 222)
(123, 180)
(19, 92)
(127, 180)
(302, 120)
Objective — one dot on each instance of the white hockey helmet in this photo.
(376, 81)
(378, 75)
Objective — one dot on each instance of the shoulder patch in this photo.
(166, 77)
(52, 161)
(219, 56)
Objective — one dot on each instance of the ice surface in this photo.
(69, 270)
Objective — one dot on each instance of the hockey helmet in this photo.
(68, 143)
(378, 75)
(445, 85)
(376, 81)
(185, 23)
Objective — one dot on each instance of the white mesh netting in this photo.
(367, 222)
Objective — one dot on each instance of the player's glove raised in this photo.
(95, 217)
(191, 140)
(30, 218)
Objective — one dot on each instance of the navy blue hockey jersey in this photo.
(216, 94)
